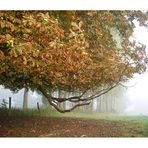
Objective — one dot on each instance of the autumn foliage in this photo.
(73, 51)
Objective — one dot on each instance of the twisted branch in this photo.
(86, 101)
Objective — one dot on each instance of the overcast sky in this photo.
(138, 94)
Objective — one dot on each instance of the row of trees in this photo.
(112, 102)
(71, 51)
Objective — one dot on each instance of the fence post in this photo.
(9, 103)
(9, 106)
(38, 107)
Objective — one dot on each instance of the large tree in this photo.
(72, 51)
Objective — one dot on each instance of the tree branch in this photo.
(86, 101)
(68, 110)
(55, 105)
(70, 99)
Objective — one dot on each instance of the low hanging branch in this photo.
(50, 100)
(80, 100)
(67, 110)
(70, 99)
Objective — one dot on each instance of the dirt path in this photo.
(58, 127)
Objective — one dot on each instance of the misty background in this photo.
(131, 100)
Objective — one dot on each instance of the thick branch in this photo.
(70, 99)
(100, 94)
(68, 110)
(56, 107)
(52, 100)
(104, 91)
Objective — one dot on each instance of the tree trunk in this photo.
(25, 99)
(44, 101)
(60, 95)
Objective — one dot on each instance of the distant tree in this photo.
(73, 51)
(114, 101)
(45, 102)
(4, 103)
(25, 98)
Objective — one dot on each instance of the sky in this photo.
(138, 95)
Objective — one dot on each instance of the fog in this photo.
(138, 93)
(17, 98)
(136, 98)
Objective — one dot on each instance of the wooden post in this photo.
(9, 113)
(38, 107)
(9, 103)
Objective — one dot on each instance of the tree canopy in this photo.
(73, 51)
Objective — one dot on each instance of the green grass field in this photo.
(136, 126)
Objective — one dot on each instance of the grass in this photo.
(136, 126)
(26, 112)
